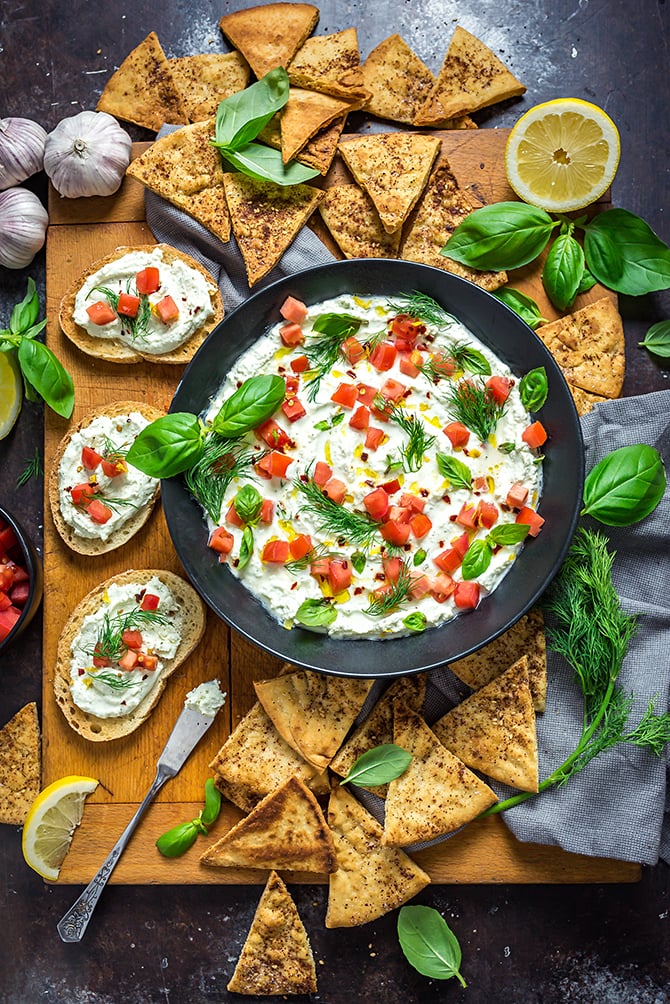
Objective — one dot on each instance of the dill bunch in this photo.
(109, 642)
(383, 604)
(472, 404)
(221, 460)
(324, 346)
(334, 519)
(134, 327)
(418, 440)
(113, 681)
(421, 306)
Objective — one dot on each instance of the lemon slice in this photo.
(562, 155)
(51, 821)
(11, 392)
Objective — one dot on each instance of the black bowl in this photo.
(24, 554)
(507, 335)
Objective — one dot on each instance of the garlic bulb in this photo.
(23, 225)
(21, 150)
(87, 155)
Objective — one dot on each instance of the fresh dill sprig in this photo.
(33, 469)
(422, 306)
(134, 327)
(221, 460)
(380, 606)
(300, 564)
(108, 500)
(418, 440)
(472, 404)
(334, 519)
(113, 681)
(109, 643)
(324, 346)
(111, 451)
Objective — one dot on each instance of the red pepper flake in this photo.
(358, 590)
(81, 671)
(364, 456)
(447, 499)
(424, 492)
(294, 585)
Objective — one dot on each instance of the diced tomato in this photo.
(407, 367)
(101, 313)
(99, 660)
(457, 433)
(274, 464)
(89, 458)
(532, 519)
(383, 356)
(128, 305)
(293, 310)
(149, 662)
(320, 567)
(443, 365)
(517, 495)
(442, 586)
(148, 280)
(5, 601)
(534, 435)
(19, 593)
(391, 487)
(292, 384)
(275, 552)
(461, 544)
(480, 484)
(467, 516)
(150, 602)
(346, 395)
(395, 533)
(273, 434)
(366, 393)
(8, 619)
(7, 540)
(499, 388)
(376, 503)
(420, 586)
(322, 473)
(420, 525)
(399, 513)
(339, 574)
(412, 502)
(234, 518)
(82, 494)
(291, 335)
(167, 310)
(132, 638)
(374, 438)
(487, 514)
(393, 390)
(112, 468)
(360, 418)
(300, 364)
(335, 489)
(20, 574)
(353, 350)
(300, 546)
(449, 560)
(381, 408)
(406, 328)
(293, 408)
(6, 577)
(99, 512)
(128, 660)
(392, 568)
(466, 595)
(267, 511)
(221, 540)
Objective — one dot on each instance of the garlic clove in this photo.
(87, 154)
(21, 150)
(23, 225)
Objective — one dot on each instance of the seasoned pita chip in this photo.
(493, 730)
(313, 712)
(526, 637)
(304, 115)
(443, 206)
(398, 81)
(20, 765)
(437, 793)
(186, 169)
(276, 958)
(255, 760)
(584, 402)
(330, 64)
(589, 347)
(471, 77)
(206, 79)
(269, 35)
(371, 879)
(286, 830)
(354, 224)
(143, 89)
(266, 218)
(393, 169)
(318, 152)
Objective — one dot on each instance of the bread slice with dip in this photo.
(119, 647)
(176, 304)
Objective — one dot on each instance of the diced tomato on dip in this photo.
(293, 408)
(383, 356)
(291, 334)
(147, 280)
(532, 519)
(395, 533)
(300, 364)
(352, 350)
(82, 494)
(360, 418)
(112, 468)
(300, 546)
(442, 586)
(322, 473)
(420, 525)
(335, 490)
(274, 465)
(449, 560)
(374, 438)
(516, 496)
(90, 459)
(534, 435)
(99, 512)
(393, 390)
(499, 388)
(220, 540)
(487, 514)
(293, 310)
(276, 552)
(273, 434)
(128, 305)
(407, 367)
(150, 602)
(467, 516)
(457, 434)
(129, 660)
(167, 310)
(101, 313)
(346, 395)
(132, 638)
(339, 573)
(377, 503)
(267, 511)
(466, 595)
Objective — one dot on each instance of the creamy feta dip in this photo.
(187, 286)
(124, 492)
(206, 698)
(332, 440)
(110, 691)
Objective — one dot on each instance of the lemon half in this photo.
(11, 392)
(51, 821)
(562, 155)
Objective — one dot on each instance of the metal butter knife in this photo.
(189, 729)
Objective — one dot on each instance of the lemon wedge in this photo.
(51, 821)
(11, 392)
(562, 155)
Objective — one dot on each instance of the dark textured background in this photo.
(521, 944)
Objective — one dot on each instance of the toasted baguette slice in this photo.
(114, 351)
(89, 545)
(192, 629)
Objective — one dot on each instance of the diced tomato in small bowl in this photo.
(20, 579)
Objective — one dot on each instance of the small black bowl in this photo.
(24, 554)
(511, 339)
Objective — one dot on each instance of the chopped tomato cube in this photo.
(457, 433)
(273, 434)
(132, 638)
(392, 568)
(399, 513)
(383, 356)
(393, 390)
(275, 552)
(374, 438)
(449, 560)
(5, 601)
(391, 487)
(412, 502)
(148, 280)
(406, 328)
(149, 662)
(346, 395)
(467, 516)
(339, 574)
(128, 660)
(293, 310)
(292, 384)
(420, 525)
(352, 349)
(99, 660)
(300, 364)
(89, 458)
(322, 473)
(366, 393)
(8, 619)
(335, 489)
(101, 313)
(466, 595)
(461, 544)
(534, 435)
(300, 546)
(150, 602)
(319, 567)
(274, 464)
(291, 335)
(517, 495)
(112, 468)
(395, 533)
(499, 388)
(293, 408)
(167, 310)
(532, 519)
(381, 409)
(99, 512)
(221, 540)
(480, 484)
(20, 574)
(7, 540)
(377, 503)
(267, 511)
(234, 518)
(19, 593)
(128, 305)
(408, 368)
(443, 365)
(442, 586)
(360, 418)
(420, 586)
(6, 577)
(487, 514)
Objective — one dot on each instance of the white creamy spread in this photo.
(187, 286)
(283, 590)
(206, 698)
(109, 691)
(124, 493)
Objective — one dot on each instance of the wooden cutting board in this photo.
(80, 232)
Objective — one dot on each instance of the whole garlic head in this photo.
(23, 225)
(87, 155)
(21, 150)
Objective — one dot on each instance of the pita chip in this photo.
(584, 402)
(589, 347)
(276, 958)
(269, 35)
(20, 765)
(143, 89)
(393, 169)
(208, 78)
(304, 115)
(526, 637)
(318, 152)
(184, 168)
(437, 793)
(354, 224)
(493, 730)
(371, 880)
(442, 207)
(330, 64)
(313, 712)
(471, 77)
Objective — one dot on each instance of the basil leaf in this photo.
(506, 447)
(265, 164)
(338, 325)
(24, 314)
(316, 613)
(212, 808)
(248, 503)
(419, 557)
(657, 339)
(473, 361)
(47, 376)
(508, 533)
(625, 486)
(249, 406)
(624, 253)
(533, 389)
(457, 473)
(523, 305)
(477, 559)
(177, 840)
(337, 420)
(563, 270)
(416, 621)
(379, 765)
(428, 943)
(501, 236)
(586, 282)
(358, 561)
(240, 117)
(246, 548)
(167, 446)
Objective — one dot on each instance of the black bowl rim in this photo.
(34, 568)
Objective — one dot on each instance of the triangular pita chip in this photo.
(313, 712)
(589, 347)
(318, 152)
(398, 81)
(437, 793)
(269, 35)
(206, 79)
(20, 765)
(443, 206)
(286, 830)
(184, 168)
(354, 224)
(584, 402)
(330, 64)
(266, 218)
(255, 760)
(304, 115)
(143, 89)
(494, 731)
(371, 880)
(526, 637)
(276, 958)
(393, 169)
(470, 77)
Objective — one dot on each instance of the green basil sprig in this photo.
(168, 446)
(563, 268)
(657, 339)
(249, 406)
(456, 472)
(624, 253)
(248, 504)
(429, 944)
(523, 305)
(500, 236)
(175, 842)
(625, 486)
(379, 765)
(316, 613)
(533, 389)
(416, 621)
(478, 556)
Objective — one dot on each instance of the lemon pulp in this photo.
(11, 392)
(51, 822)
